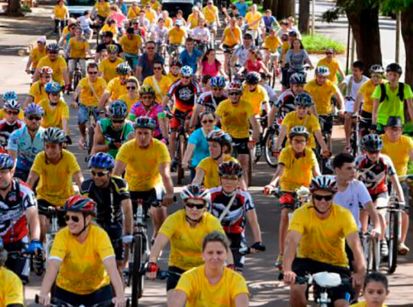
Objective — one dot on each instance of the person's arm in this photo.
(242, 300)
(126, 205)
(78, 178)
(188, 155)
(357, 103)
(291, 244)
(398, 188)
(271, 115)
(29, 63)
(320, 139)
(278, 172)
(119, 168)
(49, 278)
(76, 94)
(177, 299)
(66, 76)
(32, 179)
(32, 216)
(161, 241)
(199, 176)
(340, 100)
(353, 241)
(410, 108)
(65, 126)
(316, 170)
(99, 144)
(29, 99)
(116, 280)
(281, 137)
(36, 74)
(374, 217)
(374, 112)
(194, 118)
(255, 129)
(340, 72)
(255, 226)
(104, 99)
(165, 171)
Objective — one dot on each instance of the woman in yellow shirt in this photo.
(60, 15)
(102, 10)
(132, 96)
(82, 263)
(78, 50)
(36, 54)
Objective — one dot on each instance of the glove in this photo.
(152, 267)
(34, 246)
(127, 239)
(258, 246)
(68, 140)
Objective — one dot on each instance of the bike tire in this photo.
(76, 79)
(89, 139)
(137, 280)
(375, 247)
(181, 150)
(269, 140)
(393, 240)
(250, 166)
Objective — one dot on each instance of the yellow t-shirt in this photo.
(133, 12)
(232, 36)
(110, 28)
(11, 288)
(78, 48)
(87, 96)
(108, 68)
(333, 66)
(255, 98)
(193, 21)
(210, 14)
(160, 87)
(253, 17)
(142, 164)
(129, 101)
(284, 48)
(131, 45)
(60, 12)
(272, 43)
(82, 270)
(150, 15)
(116, 89)
(37, 92)
(168, 22)
(399, 152)
(55, 180)
(65, 31)
(323, 240)
(155, 5)
(53, 116)
(366, 90)
(297, 172)
(322, 95)
(235, 120)
(364, 304)
(172, 77)
(176, 36)
(36, 55)
(309, 121)
(186, 241)
(58, 66)
(102, 8)
(210, 168)
(201, 293)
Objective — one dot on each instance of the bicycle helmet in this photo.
(80, 203)
(322, 71)
(123, 69)
(54, 135)
(101, 160)
(217, 81)
(46, 70)
(252, 78)
(112, 48)
(194, 191)
(118, 109)
(230, 168)
(372, 142)
(234, 86)
(146, 90)
(6, 161)
(53, 88)
(297, 78)
(145, 122)
(12, 104)
(10, 95)
(52, 47)
(33, 109)
(220, 137)
(376, 69)
(394, 67)
(299, 131)
(323, 182)
(303, 100)
(187, 71)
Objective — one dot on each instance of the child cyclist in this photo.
(375, 290)
(297, 164)
(233, 207)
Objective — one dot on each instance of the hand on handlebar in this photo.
(43, 299)
(326, 153)
(268, 189)
(357, 279)
(168, 200)
(119, 301)
(289, 277)
(152, 270)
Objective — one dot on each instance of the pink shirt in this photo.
(211, 69)
(251, 66)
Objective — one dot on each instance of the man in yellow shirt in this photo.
(36, 54)
(231, 38)
(333, 65)
(131, 44)
(271, 44)
(316, 241)
(133, 11)
(116, 86)
(108, 66)
(254, 19)
(147, 162)
(255, 94)
(60, 15)
(37, 90)
(210, 12)
(177, 35)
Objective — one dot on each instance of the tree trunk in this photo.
(283, 8)
(14, 8)
(407, 34)
(365, 26)
(274, 8)
(304, 16)
(268, 5)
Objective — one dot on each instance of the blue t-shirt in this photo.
(147, 66)
(190, 59)
(242, 8)
(201, 150)
(269, 22)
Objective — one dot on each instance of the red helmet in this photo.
(79, 203)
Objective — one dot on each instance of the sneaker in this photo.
(403, 249)
(384, 249)
(258, 150)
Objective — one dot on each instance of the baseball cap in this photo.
(42, 40)
(394, 121)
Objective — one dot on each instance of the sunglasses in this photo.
(12, 112)
(157, 68)
(131, 87)
(52, 52)
(92, 72)
(34, 118)
(146, 97)
(55, 94)
(196, 206)
(118, 121)
(321, 197)
(207, 121)
(299, 141)
(98, 174)
(234, 94)
(72, 217)
(150, 48)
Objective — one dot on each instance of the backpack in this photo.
(384, 94)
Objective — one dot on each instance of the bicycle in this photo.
(90, 129)
(323, 161)
(371, 250)
(53, 229)
(55, 302)
(355, 137)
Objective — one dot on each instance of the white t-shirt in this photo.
(355, 86)
(356, 196)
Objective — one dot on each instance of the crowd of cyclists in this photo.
(154, 99)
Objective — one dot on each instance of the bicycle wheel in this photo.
(393, 240)
(76, 79)
(375, 253)
(137, 276)
(89, 136)
(180, 152)
(269, 141)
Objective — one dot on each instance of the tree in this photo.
(407, 34)
(283, 8)
(304, 16)
(14, 8)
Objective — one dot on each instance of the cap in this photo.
(210, 1)
(42, 40)
(394, 121)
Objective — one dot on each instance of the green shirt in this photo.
(115, 135)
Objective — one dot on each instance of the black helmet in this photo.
(372, 142)
(394, 121)
(394, 67)
(253, 78)
(297, 78)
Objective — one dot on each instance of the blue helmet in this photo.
(10, 95)
(6, 161)
(218, 81)
(118, 109)
(33, 109)
(145, 122)
(187, 71)
(303, 100)
(53, 88)
(101, 160)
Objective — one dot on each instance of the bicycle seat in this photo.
(327, 280)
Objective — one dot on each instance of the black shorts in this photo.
(238, 248)
(151, 198)
(43, 206)
(115, 232)
(240, 146)
(326, 123)
(174, 274)
(304, 266)
(16, 262)
(365, 120)
(284, 77)
(99, 297)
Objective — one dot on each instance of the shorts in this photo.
(178, 119)
(115, 233)
(213, 26)
(287, 200)
(16, 262)
(304, 266)
(43, 206)
(174, 274)
(151, 198)
(72, 65)
(96, 298)
(228, 49)
(240, 146)
(284, 77)
(238, 248)
(326, 122)
(365, 122)
(349, 105)
(83, 114)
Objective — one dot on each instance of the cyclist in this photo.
(236, 115)
(210, 12)
(271, 45)
(37, 89)
(322, 91)
(11, 288)
(108, 68)
(117, 86)
(234, 207)
(112, 131)
(159, 82)
(211, 280)
(297, 164)
(333, 65)
(113, 204)
(19, 219)
(81, 268)
(36, 54)
(231, 38)
(240, 54)
(101, 10)
(174, 71)
(374, 168)
(60, 16)
(25, 143)
(147, 106)
(89, 90)
(147, 60)
(147, 164)
(255, 94)
(107, 39)
(176, 37)
(184, 230)
(49, 165)
(132, 86)
(254, 21)
(10, 122)
(315, 243)
(400, 150)
(131, 44)
(190, 56)
(160, 33)
(78, 49)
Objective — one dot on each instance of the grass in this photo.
(318, 43)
